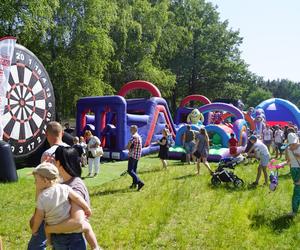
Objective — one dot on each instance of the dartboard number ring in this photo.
(30, 103)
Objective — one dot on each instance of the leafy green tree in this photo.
(93, 47)
(80, 49)
(257, 96)
(27, 19)
(203, 53)
(136, 34)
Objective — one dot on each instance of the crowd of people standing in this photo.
(62, 210)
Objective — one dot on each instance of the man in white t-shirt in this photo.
(278, 140)
(54, 134)
(264, 156)
(267, 136)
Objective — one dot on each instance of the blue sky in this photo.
(271, 35)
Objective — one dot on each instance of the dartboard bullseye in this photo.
(30, 103)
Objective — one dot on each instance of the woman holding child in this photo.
(69, 169)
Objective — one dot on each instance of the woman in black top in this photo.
(164, 148)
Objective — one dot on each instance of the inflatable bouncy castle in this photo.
(110, 117)
(280, 112)
(219, 133)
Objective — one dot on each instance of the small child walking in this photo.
(233, 143)
(164, 148)
(53, 203)
(262, 151)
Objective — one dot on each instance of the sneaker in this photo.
(254, 184)
(89, 175)
(95, 174)
(140, 185)
(132, 186)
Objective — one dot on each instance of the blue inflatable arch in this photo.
(277, 109)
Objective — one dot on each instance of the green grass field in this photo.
(176, 209)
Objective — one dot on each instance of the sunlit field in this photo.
(176, 209)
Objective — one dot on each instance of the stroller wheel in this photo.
(215, 181)
(238, 182)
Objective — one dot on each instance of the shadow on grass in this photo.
(258, 220)
(228, 186)
(143, 171)
(285, 176)
(153, 156)
(149, 171)
(282, 222)
(278, 224)
(111, 192)
(178, 163)
(184, 177)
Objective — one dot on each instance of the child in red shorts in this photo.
(233, 143)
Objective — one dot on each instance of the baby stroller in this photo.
(223, 175)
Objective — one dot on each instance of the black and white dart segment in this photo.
(30, 103)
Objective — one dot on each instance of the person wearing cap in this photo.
(54, 134)
(262, 151)
(68, 165)
(52, 198)
(293, 158)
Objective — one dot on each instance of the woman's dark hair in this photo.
(202, 131)
(69, 159)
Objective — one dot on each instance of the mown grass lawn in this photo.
(176, 209)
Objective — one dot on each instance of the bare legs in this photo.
(206, 164)
(264, 169)
(188, 158)
(164, 163)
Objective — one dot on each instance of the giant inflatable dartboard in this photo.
(30, 103)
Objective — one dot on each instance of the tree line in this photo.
(93, 47)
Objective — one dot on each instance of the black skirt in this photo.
(163, 152)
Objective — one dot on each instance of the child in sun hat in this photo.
(52, 198)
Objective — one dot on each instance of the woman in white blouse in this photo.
(94, 153)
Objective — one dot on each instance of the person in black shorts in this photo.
(164, 148)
